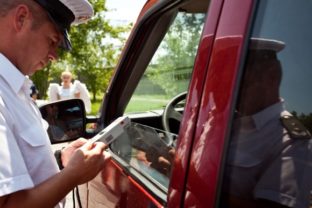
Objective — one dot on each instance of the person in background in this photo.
(69, 90)
(31, 33)
(34, 93)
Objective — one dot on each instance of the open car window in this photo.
(170, 69)
(149, 149)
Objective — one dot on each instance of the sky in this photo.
(123, 11)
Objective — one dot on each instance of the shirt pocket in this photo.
(35, 137)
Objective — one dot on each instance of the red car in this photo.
(218, 93)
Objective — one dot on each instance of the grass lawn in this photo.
(138, 103)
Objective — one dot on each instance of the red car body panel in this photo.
(114, 188)
(215, 109)
(188, 124)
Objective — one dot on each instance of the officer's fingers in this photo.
(78, 143)
(87, 146)
(164, 161)
(107, 155)
(81, 140)
(172, 153)
(98, 148)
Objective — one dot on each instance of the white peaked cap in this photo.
(82, 10)
(266, 44)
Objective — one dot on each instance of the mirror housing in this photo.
(66, 119)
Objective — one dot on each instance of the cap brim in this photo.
(266, 44)
(65, 44)
(61, 17)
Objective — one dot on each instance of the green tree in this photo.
(178, 52)
(93, 55)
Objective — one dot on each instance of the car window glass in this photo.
(147, 149)
(142, 147)
(170, 69)
(269, 157)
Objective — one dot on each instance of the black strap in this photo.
(58, 157)
(78, 197)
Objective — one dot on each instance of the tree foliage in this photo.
(177, 53)
(93, 55)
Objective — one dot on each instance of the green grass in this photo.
(95, 107)
(138, 103)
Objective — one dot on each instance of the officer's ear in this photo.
(21, 15)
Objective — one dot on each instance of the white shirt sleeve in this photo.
(13, 172)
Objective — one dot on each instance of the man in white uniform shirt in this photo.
(31, 33)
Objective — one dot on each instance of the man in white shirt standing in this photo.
(31, 33)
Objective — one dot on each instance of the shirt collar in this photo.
(11, 74)
(259, 119)
(264, 116)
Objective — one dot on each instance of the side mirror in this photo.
(66, 119)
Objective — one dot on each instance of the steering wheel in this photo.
(171, 113)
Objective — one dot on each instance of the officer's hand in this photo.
(70, 149)
(163, 163)
(87, 161)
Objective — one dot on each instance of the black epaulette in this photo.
(295, 128)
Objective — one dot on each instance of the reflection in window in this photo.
(148, 150)
(65, 121)
(269, 157)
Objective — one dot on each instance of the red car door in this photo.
(252, 144)
(124, 183)
(215, 112)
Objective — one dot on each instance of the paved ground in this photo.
(69, 201)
